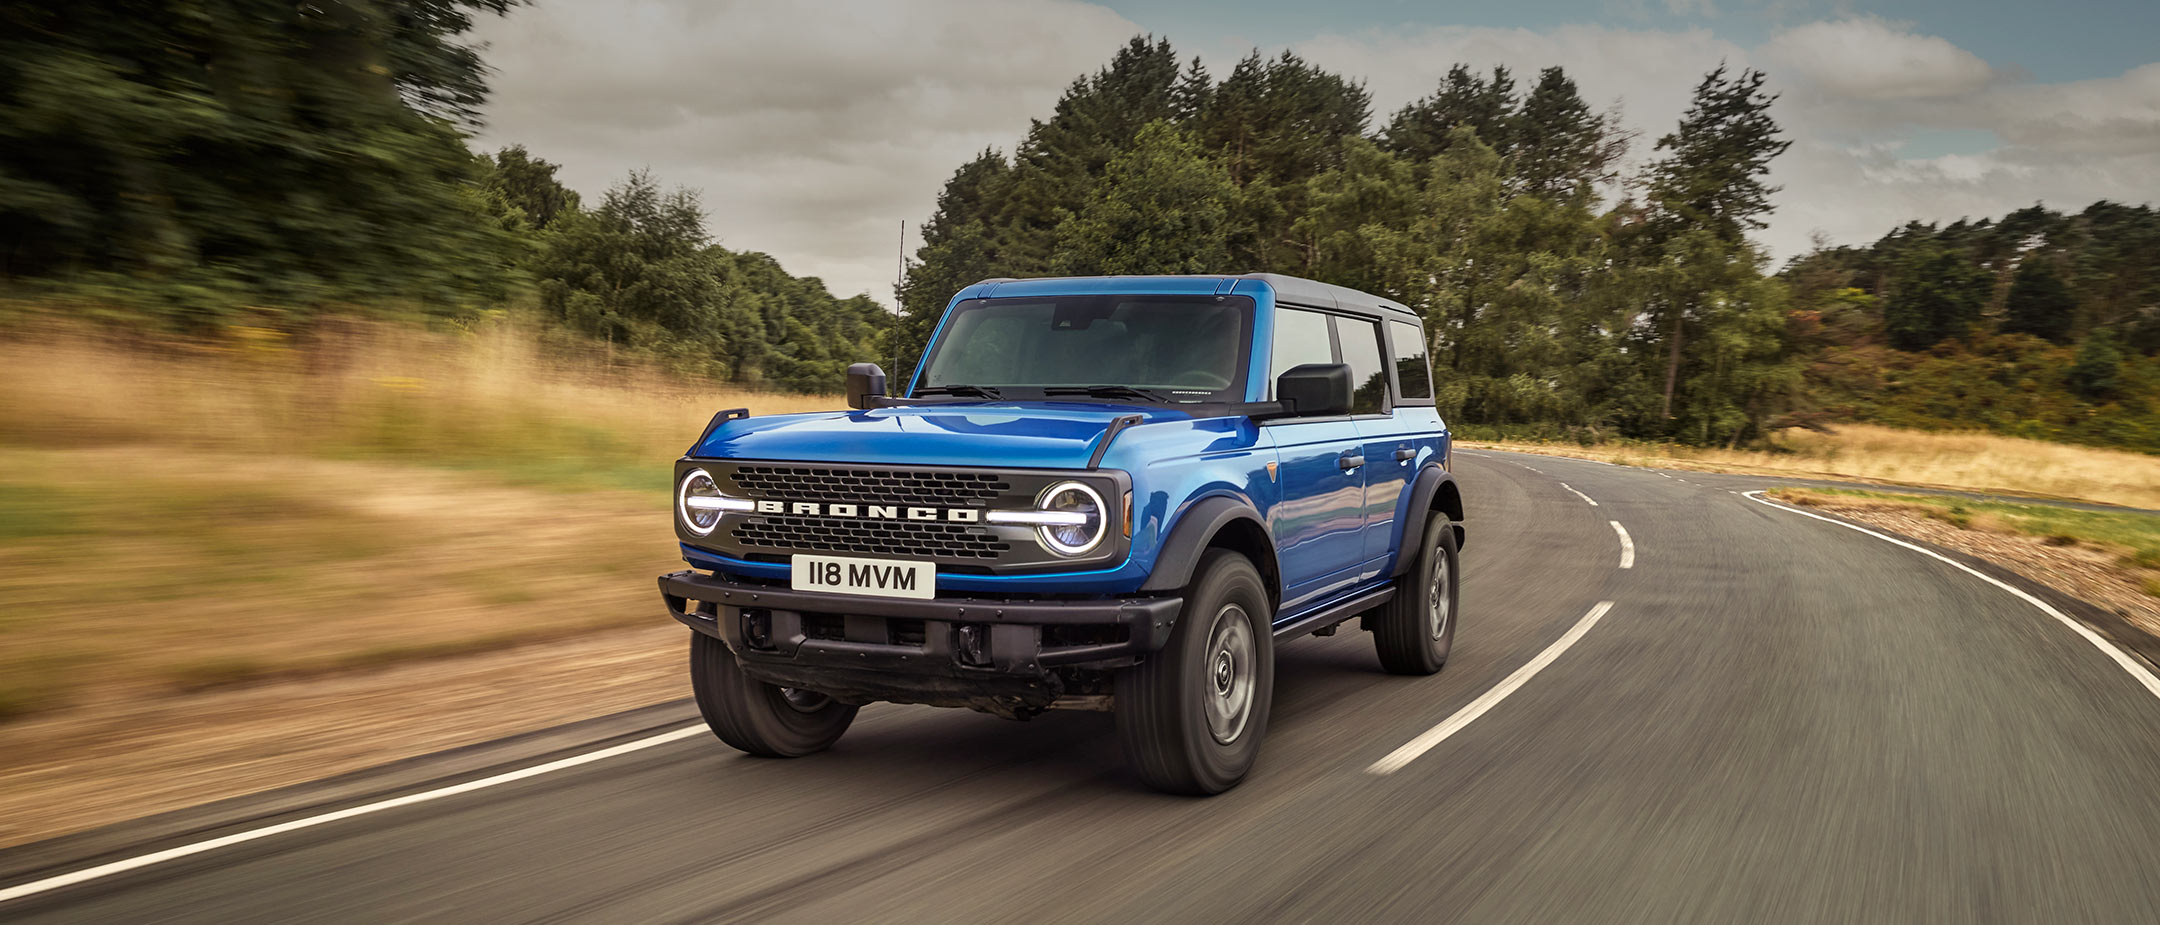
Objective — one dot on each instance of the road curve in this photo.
(1775, 719)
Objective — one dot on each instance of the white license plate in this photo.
(874, 577)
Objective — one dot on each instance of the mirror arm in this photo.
(1261, 410)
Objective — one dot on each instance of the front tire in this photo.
(1191, 716)
(763, 719)
(1415, 629)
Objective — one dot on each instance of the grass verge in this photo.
(184, 516)
(2111, 558)
(1961, 461)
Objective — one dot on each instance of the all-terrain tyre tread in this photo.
(1399, 628)
(1154, 723)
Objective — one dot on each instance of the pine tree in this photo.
(1709, 182)
(1423, 129)
(1559, 148)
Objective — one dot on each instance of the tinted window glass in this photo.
(1187, 349)
(1411, 370)
(1300, 337)
(1361, 349)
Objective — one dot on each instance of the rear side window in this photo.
(1300, 338)
(1411, 369)
(1361, 350)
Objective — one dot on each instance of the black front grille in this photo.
(876, 486)
(885, 537)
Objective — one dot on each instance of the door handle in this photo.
(1349, 462)
(1405, 454)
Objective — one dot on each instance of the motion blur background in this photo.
(297, 318)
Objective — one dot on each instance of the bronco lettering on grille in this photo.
(953, 515)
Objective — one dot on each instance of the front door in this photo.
(1320, 522)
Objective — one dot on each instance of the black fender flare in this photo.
(1197, 528)
(1432, 483)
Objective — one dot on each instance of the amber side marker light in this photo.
(1128, 515)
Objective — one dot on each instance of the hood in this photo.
(1019, 435)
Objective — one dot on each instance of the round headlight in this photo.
(1089, 521)
(698, 518)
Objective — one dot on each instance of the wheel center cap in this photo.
(1222, 673)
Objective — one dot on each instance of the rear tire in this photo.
(1191, 716)
(1415, 629)
(763, 719)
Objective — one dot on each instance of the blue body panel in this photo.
(1336, 532)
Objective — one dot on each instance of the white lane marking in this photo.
(1425, 741)
(1627, 545)
(2128, 664)
(172, 854)
(1578, 494)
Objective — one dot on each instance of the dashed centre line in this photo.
(1627, 545)
(1578, 494)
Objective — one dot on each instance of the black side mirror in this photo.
(1314, 389)
(865, 385)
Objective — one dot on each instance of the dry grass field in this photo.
(192, 517)
(1965, 461)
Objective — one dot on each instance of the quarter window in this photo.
(1368, 376)
(1412, 372)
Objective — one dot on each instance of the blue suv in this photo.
(1111, 493)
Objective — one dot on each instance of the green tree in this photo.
(1426, 127)
(1161, 208)
(1709, 182)
(2040, 302)
(522, 189)
(634, 272)
(247, 153)
(1559, 148)
(2097, 371)
(1939, 294)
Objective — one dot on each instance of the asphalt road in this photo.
(1777, 719)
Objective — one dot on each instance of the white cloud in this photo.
(813, 129)
(1874, 60)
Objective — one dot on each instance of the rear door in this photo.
(1387, 449)
(1319, 524)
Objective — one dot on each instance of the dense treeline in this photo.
(2042, 324)
(261, 163)
(1478, 205)
(1562, 297)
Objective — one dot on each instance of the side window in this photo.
(1301, 337)
(1361, 349)
(1412, 371)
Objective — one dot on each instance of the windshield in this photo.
(1143, 347)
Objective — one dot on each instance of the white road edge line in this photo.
(1578, 494)
(1627, 545)
(1409, 752)
(172, 854)
(2128, 664)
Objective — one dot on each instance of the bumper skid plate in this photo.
(988, 654)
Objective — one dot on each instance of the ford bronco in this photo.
(1113, 493)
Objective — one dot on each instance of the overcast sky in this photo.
(814, 129)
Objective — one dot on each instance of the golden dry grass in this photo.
(1966, 461)
(198, 515)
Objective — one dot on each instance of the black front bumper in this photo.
(862, 649)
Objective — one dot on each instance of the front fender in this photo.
(1196, 528)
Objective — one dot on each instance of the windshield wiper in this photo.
(979, 391)
(1108, 391)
